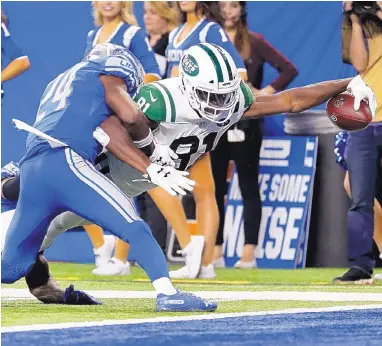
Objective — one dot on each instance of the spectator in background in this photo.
(160, 18)
(116, 24)
(11, 53)
(363, 147)
(243, 142)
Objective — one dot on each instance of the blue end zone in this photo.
(358, 327)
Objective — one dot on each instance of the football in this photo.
(341, 113)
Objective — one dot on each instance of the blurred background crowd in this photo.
(280, 45)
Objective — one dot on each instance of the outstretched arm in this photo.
(297, 99)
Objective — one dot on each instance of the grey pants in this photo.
(60, 224)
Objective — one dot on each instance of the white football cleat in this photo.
(219, 263)
(113, 267)
(207, 272)
(245, 265)
(103, 253)
(193, 255)
(378, 277)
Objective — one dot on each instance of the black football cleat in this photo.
(354, 275)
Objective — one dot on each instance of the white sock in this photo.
(164, 286)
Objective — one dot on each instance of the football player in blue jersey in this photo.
(39, 281)
(117, 24)
(14, 59)
(57, 174)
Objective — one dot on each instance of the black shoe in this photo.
(354, 276)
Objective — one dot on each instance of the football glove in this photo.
(170, 179)
(74, 297)
(361, 91)
(339, 148)
(163, 155)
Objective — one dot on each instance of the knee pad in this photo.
(39, 274)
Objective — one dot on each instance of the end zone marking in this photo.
(206, 316)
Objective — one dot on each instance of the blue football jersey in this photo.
(204, 31)
(134, 39)
(9, 49)
(9, 170)
(73, 105)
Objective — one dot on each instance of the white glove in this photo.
(361, 91)
(172, 180)
(163, 155)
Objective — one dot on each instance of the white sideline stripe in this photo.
(210, 316)
(23, 293)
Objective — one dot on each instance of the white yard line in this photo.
(210, 316)
(21, 293)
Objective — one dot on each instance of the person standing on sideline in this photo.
(363, 148)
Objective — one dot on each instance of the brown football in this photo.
(341, 113)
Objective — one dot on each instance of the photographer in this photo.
(362, 46)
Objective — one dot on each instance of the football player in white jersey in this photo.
(189, 114)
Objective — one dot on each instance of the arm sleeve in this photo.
(287, 71)
(8, 47)
(140, 47)
(217, 35)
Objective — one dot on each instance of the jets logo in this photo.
(340, 102)
(190, 66)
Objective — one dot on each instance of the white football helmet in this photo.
(210, 81)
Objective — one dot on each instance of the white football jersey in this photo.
(179, 126)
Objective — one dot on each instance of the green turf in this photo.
(228, 280)
(19, 312)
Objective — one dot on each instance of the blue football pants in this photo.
(60, 180)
